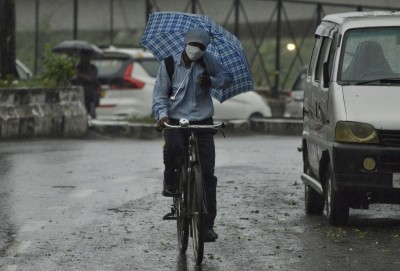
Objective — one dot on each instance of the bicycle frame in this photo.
(190, 206)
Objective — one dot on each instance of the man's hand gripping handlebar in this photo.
(184, 124)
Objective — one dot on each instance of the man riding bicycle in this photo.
(186, 94)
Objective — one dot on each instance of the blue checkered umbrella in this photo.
(164, 35)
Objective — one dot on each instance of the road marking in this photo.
(23, 246)
(18, 249)
(33, 226)
(57, 208)
(83, 193)
(11, 268)
(126, 179)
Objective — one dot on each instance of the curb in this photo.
(42, 113)
(123, 129)
(278, 126)
(289, 127)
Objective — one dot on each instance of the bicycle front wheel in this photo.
(181, 205)
(197, 213)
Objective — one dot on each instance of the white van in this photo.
(351, 132)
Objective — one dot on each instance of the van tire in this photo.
(337, 203)
(314, 202)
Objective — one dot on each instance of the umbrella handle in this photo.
(203, 65)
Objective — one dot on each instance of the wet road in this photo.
(96, 205)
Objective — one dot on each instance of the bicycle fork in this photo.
(194, 158)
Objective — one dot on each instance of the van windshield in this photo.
(370, 55)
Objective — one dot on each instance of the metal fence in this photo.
(277, 35)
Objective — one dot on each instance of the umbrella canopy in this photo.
(164, 35)
(75, 47)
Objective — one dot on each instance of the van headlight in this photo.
(355, 132)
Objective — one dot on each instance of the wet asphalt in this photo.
(95, 204)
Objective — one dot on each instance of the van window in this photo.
(321, 59)
(370, 54)
(314, 55)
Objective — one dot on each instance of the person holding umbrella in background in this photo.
(187, 95)
(86, 73)
(86, 76)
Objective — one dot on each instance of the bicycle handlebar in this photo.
(184, 124)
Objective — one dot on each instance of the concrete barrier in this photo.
(232, 128)
(124, 129)
(282, 126)
(60, 112)
(42, 112)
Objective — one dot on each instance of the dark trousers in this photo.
(176, 141)
(90, 101)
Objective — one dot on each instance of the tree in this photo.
(7, 39)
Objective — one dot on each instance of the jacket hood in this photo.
(197, 35)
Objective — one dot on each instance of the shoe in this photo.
(170, 191)
(210, 235)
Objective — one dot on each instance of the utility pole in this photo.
(37, 6)
(75, 18)
(149, 9)
(194, 6)
(111, 22)
(237, 12)
(7, 39)
(278, 49)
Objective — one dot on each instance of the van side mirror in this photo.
(325, 74)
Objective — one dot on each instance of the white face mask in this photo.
(193, 52)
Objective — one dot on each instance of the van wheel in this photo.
(314, 202)
(337, 203)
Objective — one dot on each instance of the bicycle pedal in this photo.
(169, 216)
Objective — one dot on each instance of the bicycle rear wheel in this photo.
(197, 213)
(181, 205)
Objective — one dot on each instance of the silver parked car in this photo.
(294, 105)
(127, 77)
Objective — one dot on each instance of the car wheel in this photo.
(256, 116)
(314, 202)
(337, 203)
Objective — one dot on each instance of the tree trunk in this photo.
(7, 39)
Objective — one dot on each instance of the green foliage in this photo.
(9, 81)
(58, 68)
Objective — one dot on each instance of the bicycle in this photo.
(189, 206)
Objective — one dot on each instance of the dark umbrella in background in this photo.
(164, 35)
(75, 47)
(86, 73)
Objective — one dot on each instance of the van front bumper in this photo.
(350, 174)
